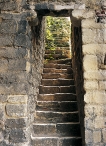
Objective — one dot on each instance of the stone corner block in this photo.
(16, 110)
(90, 23)
(90, 62)
(97, 136)
(88, 136)
(17, 98)
(91, 85)
(83, 14)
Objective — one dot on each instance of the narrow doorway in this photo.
(57, 117)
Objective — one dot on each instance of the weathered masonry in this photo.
(21, 64)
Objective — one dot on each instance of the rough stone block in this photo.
(14, 77)
(3, 65)
(9, 6)
(90, 36)
(102, 85)
(98, 97)
(90, 62)
(6, 40)
(22, 40)
(104, 135)
(17, 136)
(6, 16)
(10, 52)
(8, 26)
(45, 141)
(22, 26)
(17, 98)
(15, 88)
(94, 49)
(16, 123)
(93, 75)
(89, 111)
(91, 85)
(3, 98)
(79, 14)
(100, 122)
(17, 65)
(89, 123)
(104, 74)
(88, 136)
(16, 110)
(97, 136)
(90, 23)
(95, 110)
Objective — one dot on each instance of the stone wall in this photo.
(94, 50)
(21, 59)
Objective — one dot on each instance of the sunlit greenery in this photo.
(56, 27)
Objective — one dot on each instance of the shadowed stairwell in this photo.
(56, 120)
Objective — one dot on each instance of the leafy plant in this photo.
(56, 27)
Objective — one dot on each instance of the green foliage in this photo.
(56, 27)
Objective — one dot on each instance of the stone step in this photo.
(55, 117)
(57, 129)
(59, 106)
(53, 70)
(57, 82)
(61, 61)
(60, 43)
(57, 51)
(55, 56)
(57, 97)
(56, 141)
(56, 76)
(56, 66)
(61, 48)
(56, 89)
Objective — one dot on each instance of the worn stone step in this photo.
(57, 97)
(61, 61)
(56, 89)
(55, 56)
(57, 51)
(68, 129)
(44, 141)
(57, 66)
(56, 141)
(56, 76)
(53, 70)
(70, 141)
(60, 43)
(63, 48)
(63, 106)
(55, 117)
(57, 82)
(57, 129)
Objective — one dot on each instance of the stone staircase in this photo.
(56, 120)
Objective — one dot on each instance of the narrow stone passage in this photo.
(56, 118)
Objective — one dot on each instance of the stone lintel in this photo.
(59, 7)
